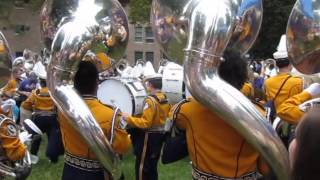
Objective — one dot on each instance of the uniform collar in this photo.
(89, 97)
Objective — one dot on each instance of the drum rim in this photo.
(133, 101)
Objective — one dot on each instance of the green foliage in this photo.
(275, 17)
(139, 11)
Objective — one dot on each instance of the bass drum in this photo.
(172, 82)
(126, 94)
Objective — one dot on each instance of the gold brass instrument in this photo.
(203, 34)
(20, 169)
(75, 27)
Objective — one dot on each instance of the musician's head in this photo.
(234, 69)
(304, 150)
(153, 83)
(86, 78)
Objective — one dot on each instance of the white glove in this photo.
(314, 89)
(7, 105)
(306, 106)
(25, 137)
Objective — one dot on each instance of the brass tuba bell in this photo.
(79, 26)
(201, 35)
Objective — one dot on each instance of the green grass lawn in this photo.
(45, 171)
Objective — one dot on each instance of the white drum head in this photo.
(128, 95)
(115, 93)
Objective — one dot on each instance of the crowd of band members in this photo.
(216, 150)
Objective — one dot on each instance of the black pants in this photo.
(72, 173)
(147, 148)
(50, 126)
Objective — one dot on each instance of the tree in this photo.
(275, 17)
(139, 11)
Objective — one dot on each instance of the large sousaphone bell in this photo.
(22, 168)
(303, 36)
(203, 29)
(98, 26)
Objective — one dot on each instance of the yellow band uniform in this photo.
(214, 146)
(13, 148)
(293, 86)
(154, 114)
(76, 146)
(39, 100)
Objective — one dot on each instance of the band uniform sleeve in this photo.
(29, 102)
(289, 110)
(121, 143)
(14, 149)
(145, 121)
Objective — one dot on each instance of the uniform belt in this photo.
(156, 129)
(199, 175)
(82, 163)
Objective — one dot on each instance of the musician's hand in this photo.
(25, 137)
(314, 90)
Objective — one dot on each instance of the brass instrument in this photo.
(20, 169)
(75, 27)
(203, 34)
(303, 37)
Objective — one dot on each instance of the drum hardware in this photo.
(127, 94)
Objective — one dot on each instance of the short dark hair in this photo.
(156, 83)
(283, 62)
(234, 69)
(86, 78)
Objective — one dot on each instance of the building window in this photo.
(149, 35)
(138, 55)
(150, 56)
(138, 33)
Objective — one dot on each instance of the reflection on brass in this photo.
(197, 32)
(303, 36)
(77, 30)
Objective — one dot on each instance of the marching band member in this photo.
(216, 149)
(44, 116)
(283, 85)
(12, 147)
(148, 135)
(12, 86)
(76, 149)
